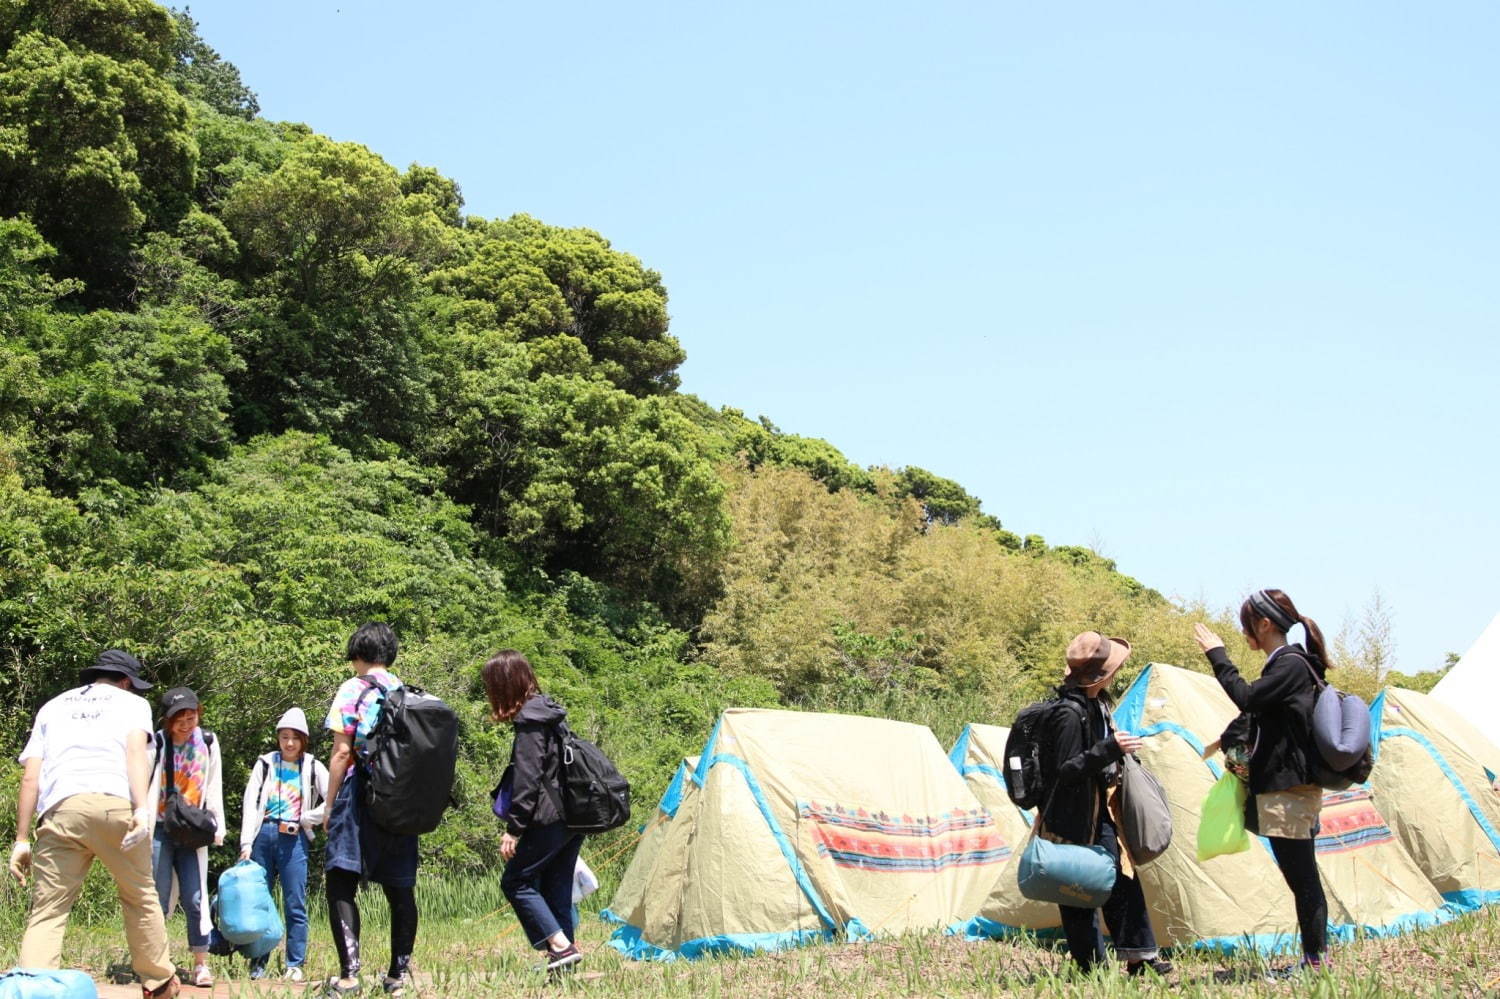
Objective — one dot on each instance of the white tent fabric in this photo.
(1472, 686)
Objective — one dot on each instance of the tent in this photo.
(637, 876)
(1373, 885)
(1433, 776)
(1469, 687)
(979, 757)
(796, 827)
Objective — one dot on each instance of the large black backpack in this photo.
(1027, 764)
(595, 797)
(409, 761)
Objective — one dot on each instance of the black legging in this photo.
(1298, 860)
(343, 918)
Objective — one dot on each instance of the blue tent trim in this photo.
(980, 928)
(673, 796)
(960, 750)
(629, 941)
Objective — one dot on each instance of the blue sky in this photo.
(1208, 286)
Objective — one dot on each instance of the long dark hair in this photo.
(1277, 607)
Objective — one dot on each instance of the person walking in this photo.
(357, 848)
(188, 766)
(540, 851)
(282, 808)
(86, 780)
(1285, 801)
(1085, 755)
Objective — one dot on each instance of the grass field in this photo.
(469, 945)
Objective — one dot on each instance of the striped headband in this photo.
(1269, 609)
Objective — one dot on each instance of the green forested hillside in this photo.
(258, 386)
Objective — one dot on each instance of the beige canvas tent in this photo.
(979, 756)
(1433, 777)
(1373, 885)
(637, 876)
(801, 826)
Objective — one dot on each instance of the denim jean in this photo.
(284, 856)
(168, 858)
(538, 881)
(1124, 913)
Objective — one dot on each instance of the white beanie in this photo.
(293, 719)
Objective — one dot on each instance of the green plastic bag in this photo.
(1221, 824)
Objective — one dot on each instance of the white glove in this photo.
(139, 827)
(20, 859)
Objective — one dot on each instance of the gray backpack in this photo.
(1145, 818)
(1341, 733)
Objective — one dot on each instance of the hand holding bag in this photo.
(1221, 822)
(1145, 817)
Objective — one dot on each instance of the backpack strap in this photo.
(165, 749)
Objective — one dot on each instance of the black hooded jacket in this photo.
(536, 765)
(1083, 755)
(1280, 705)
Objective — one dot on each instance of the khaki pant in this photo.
(70, 836)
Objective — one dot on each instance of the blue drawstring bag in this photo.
(1065, 874)
(46, 983)
(267, 942)
(246, 911)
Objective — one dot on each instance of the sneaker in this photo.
(203, 977)
(166, 990)
(1155, 966)
(293, 975)
(557, 960)
(257, 970)
(1306, 966)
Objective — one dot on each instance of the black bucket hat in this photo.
(115, 661)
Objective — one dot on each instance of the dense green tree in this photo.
(125, 30)
(945, 501)
(569, 287)
(326, 237)
(201, 73)
(121, 398)
(94, 142)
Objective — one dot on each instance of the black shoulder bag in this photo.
(186, 825)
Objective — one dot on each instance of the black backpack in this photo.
(595, 797)
(409, 761)
(1027, 768)
(188, 826)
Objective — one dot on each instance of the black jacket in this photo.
(535, 763)
(1280, 706)
(1082, 764)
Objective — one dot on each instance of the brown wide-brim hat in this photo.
(1093, 658)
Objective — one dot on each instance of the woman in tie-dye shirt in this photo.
(283, 806)
(196, 771)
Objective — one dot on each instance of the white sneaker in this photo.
(293, 975)
(203, 978)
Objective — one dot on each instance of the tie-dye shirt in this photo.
(284, 799)
(189, 770)
(356, 707)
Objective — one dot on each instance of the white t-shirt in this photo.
(80, 738)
